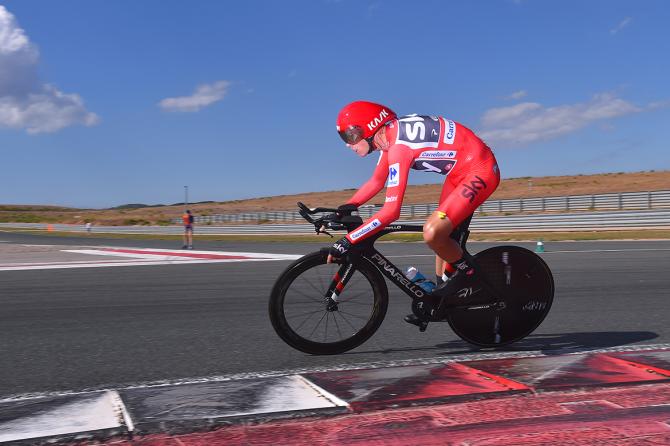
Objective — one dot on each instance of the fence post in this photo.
(520, 205)
(593, 202)
(567, 203)
(649, 200)
(500, 206)
(620, 201)
(542, 204)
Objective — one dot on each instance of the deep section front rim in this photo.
(299, 311)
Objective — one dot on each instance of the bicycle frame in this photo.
(384, 265)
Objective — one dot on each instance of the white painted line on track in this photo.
(121, 263)
(326, 394)
(147, 257)
(357, 366)
(124, 411)
(96, 412)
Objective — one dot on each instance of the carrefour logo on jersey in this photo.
(438, 154)
(365, 229)
(394, 175)
(450, 131)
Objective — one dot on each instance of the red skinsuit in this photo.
(432, 144)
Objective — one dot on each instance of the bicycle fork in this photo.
(336, 286)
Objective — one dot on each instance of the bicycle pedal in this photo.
(422, 326)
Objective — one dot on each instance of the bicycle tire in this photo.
(527, 289)
(289, 333)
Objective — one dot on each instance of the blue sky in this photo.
(110, 102)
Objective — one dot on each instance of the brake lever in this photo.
(323, 231)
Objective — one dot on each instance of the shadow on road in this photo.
(546, 343)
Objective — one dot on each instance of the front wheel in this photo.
(303, 317)
(524, 284)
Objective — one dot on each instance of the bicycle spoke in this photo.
(314, 287)
(350, 297)
(349, 302)
(303, 314)
(337, 325)
(347, 321)
(318, 323)
(319, 276)
(306, 319)
(325, 332)
(307, 296)
(352, 315)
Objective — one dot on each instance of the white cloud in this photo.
(530, 121)
(517, 95)
(203, 96)
(26, 102)
(622, 24)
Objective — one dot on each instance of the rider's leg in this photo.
(472, 190)
(436, 233)
(440, 263)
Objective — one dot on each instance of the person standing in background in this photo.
(187, 218)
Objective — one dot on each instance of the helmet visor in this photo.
(352, 134)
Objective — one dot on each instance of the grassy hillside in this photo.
(509, 188)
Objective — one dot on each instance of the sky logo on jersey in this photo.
(365, 229)
(438, 154)
(394, 175)
(449, 131)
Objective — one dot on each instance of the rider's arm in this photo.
(399, 162)
(374, 184)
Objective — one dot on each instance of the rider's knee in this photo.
(436, 231)
(433, 234)
(428, 235)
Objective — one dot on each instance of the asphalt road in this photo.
(75, 329)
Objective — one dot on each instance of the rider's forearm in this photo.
(366, 192)
(383, 218)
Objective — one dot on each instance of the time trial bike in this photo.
(326, 309)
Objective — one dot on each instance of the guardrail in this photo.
(614, 201)
(583, 221)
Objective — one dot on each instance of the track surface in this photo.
(72, 329)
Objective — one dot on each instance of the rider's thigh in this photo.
(472, 190)
(447, 188)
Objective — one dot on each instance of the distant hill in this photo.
(427, 193)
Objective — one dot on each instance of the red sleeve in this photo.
(374, 184)
(399, 161)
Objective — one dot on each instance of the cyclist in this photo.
(427, 143)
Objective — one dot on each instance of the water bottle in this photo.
(415, 276)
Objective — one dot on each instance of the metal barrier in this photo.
(583, 221)
(614, 201)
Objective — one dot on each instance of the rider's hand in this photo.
(342, 211)
(346, 209)
(339, 249)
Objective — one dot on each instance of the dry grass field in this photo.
(509, 188)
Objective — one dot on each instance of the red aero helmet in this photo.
(361, 120)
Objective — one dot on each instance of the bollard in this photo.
(540, 246)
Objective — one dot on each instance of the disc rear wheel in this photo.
(526, 289)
